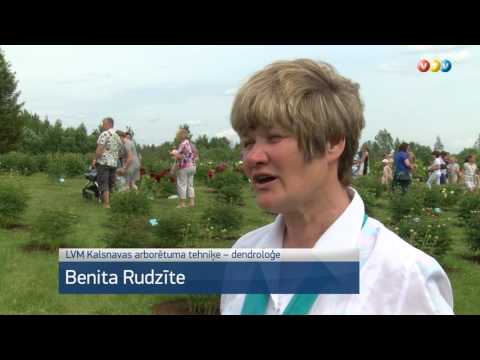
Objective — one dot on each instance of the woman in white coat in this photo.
(300, 123)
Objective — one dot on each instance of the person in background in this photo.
(121, 184)
(195, 158)
(443, 167)
(453, 170)
(364, 160)
(403, 168)
(470, 172)
(300, 123)
(435, 170)
(185, 169)
(387, 176)
(413, 161)
(109, 146)
(131, 164)
(356, 168)
(390, 158)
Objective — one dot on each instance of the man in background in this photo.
(109, 146)
(443, 167)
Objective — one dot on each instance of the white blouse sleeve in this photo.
(427, 290)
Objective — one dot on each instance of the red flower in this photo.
(166, 172)
(221, 168)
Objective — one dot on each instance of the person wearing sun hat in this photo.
(387, 175)
(131, 165)
(299, 123)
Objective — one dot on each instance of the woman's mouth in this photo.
(263, 181)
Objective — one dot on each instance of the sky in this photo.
(154, 89)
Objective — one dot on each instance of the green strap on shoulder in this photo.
(256, 304)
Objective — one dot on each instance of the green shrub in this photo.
(134, 203)
(472, 230)
(75, 164)
(42, 162)
(433, 197)
(176, 228)
(428, 233)
(226, 178)
(149, 187)
(52, 228)
(421, 172)
(219, 220)
(451, 194)
(20, 163)
(152, 189)
(410, 203)
(201, 173)
(166, 187)
(231, 194)
(370, 183)
(128, 231)
(469, 203)
(65, 165)
(55, 166)
(13, 203)
(445, 196)
(204, 304)
(155, 165)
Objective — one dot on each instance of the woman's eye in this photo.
(247, 144)
(275, 138)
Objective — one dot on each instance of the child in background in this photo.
(387, 176)
(470, 173)
(412, 158)
(453, 170)
(434, 170)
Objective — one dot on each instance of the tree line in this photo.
(23, 131)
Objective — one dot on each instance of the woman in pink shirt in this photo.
(185, 169)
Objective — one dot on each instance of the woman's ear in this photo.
(334, 151)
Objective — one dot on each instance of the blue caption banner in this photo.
(312, 277)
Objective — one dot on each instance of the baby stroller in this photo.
(91, 190)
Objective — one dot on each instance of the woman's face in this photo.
(471, 160)
(281, 178)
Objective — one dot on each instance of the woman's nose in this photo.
(255, 155)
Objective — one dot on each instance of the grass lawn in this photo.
(29, 280)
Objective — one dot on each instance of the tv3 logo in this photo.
(434, 66)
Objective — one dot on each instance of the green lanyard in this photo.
(256, 304)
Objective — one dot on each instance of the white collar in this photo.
(343, 234)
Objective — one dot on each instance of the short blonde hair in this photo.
(183, 132)
(309, 100)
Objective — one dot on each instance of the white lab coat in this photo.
(395, 277)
